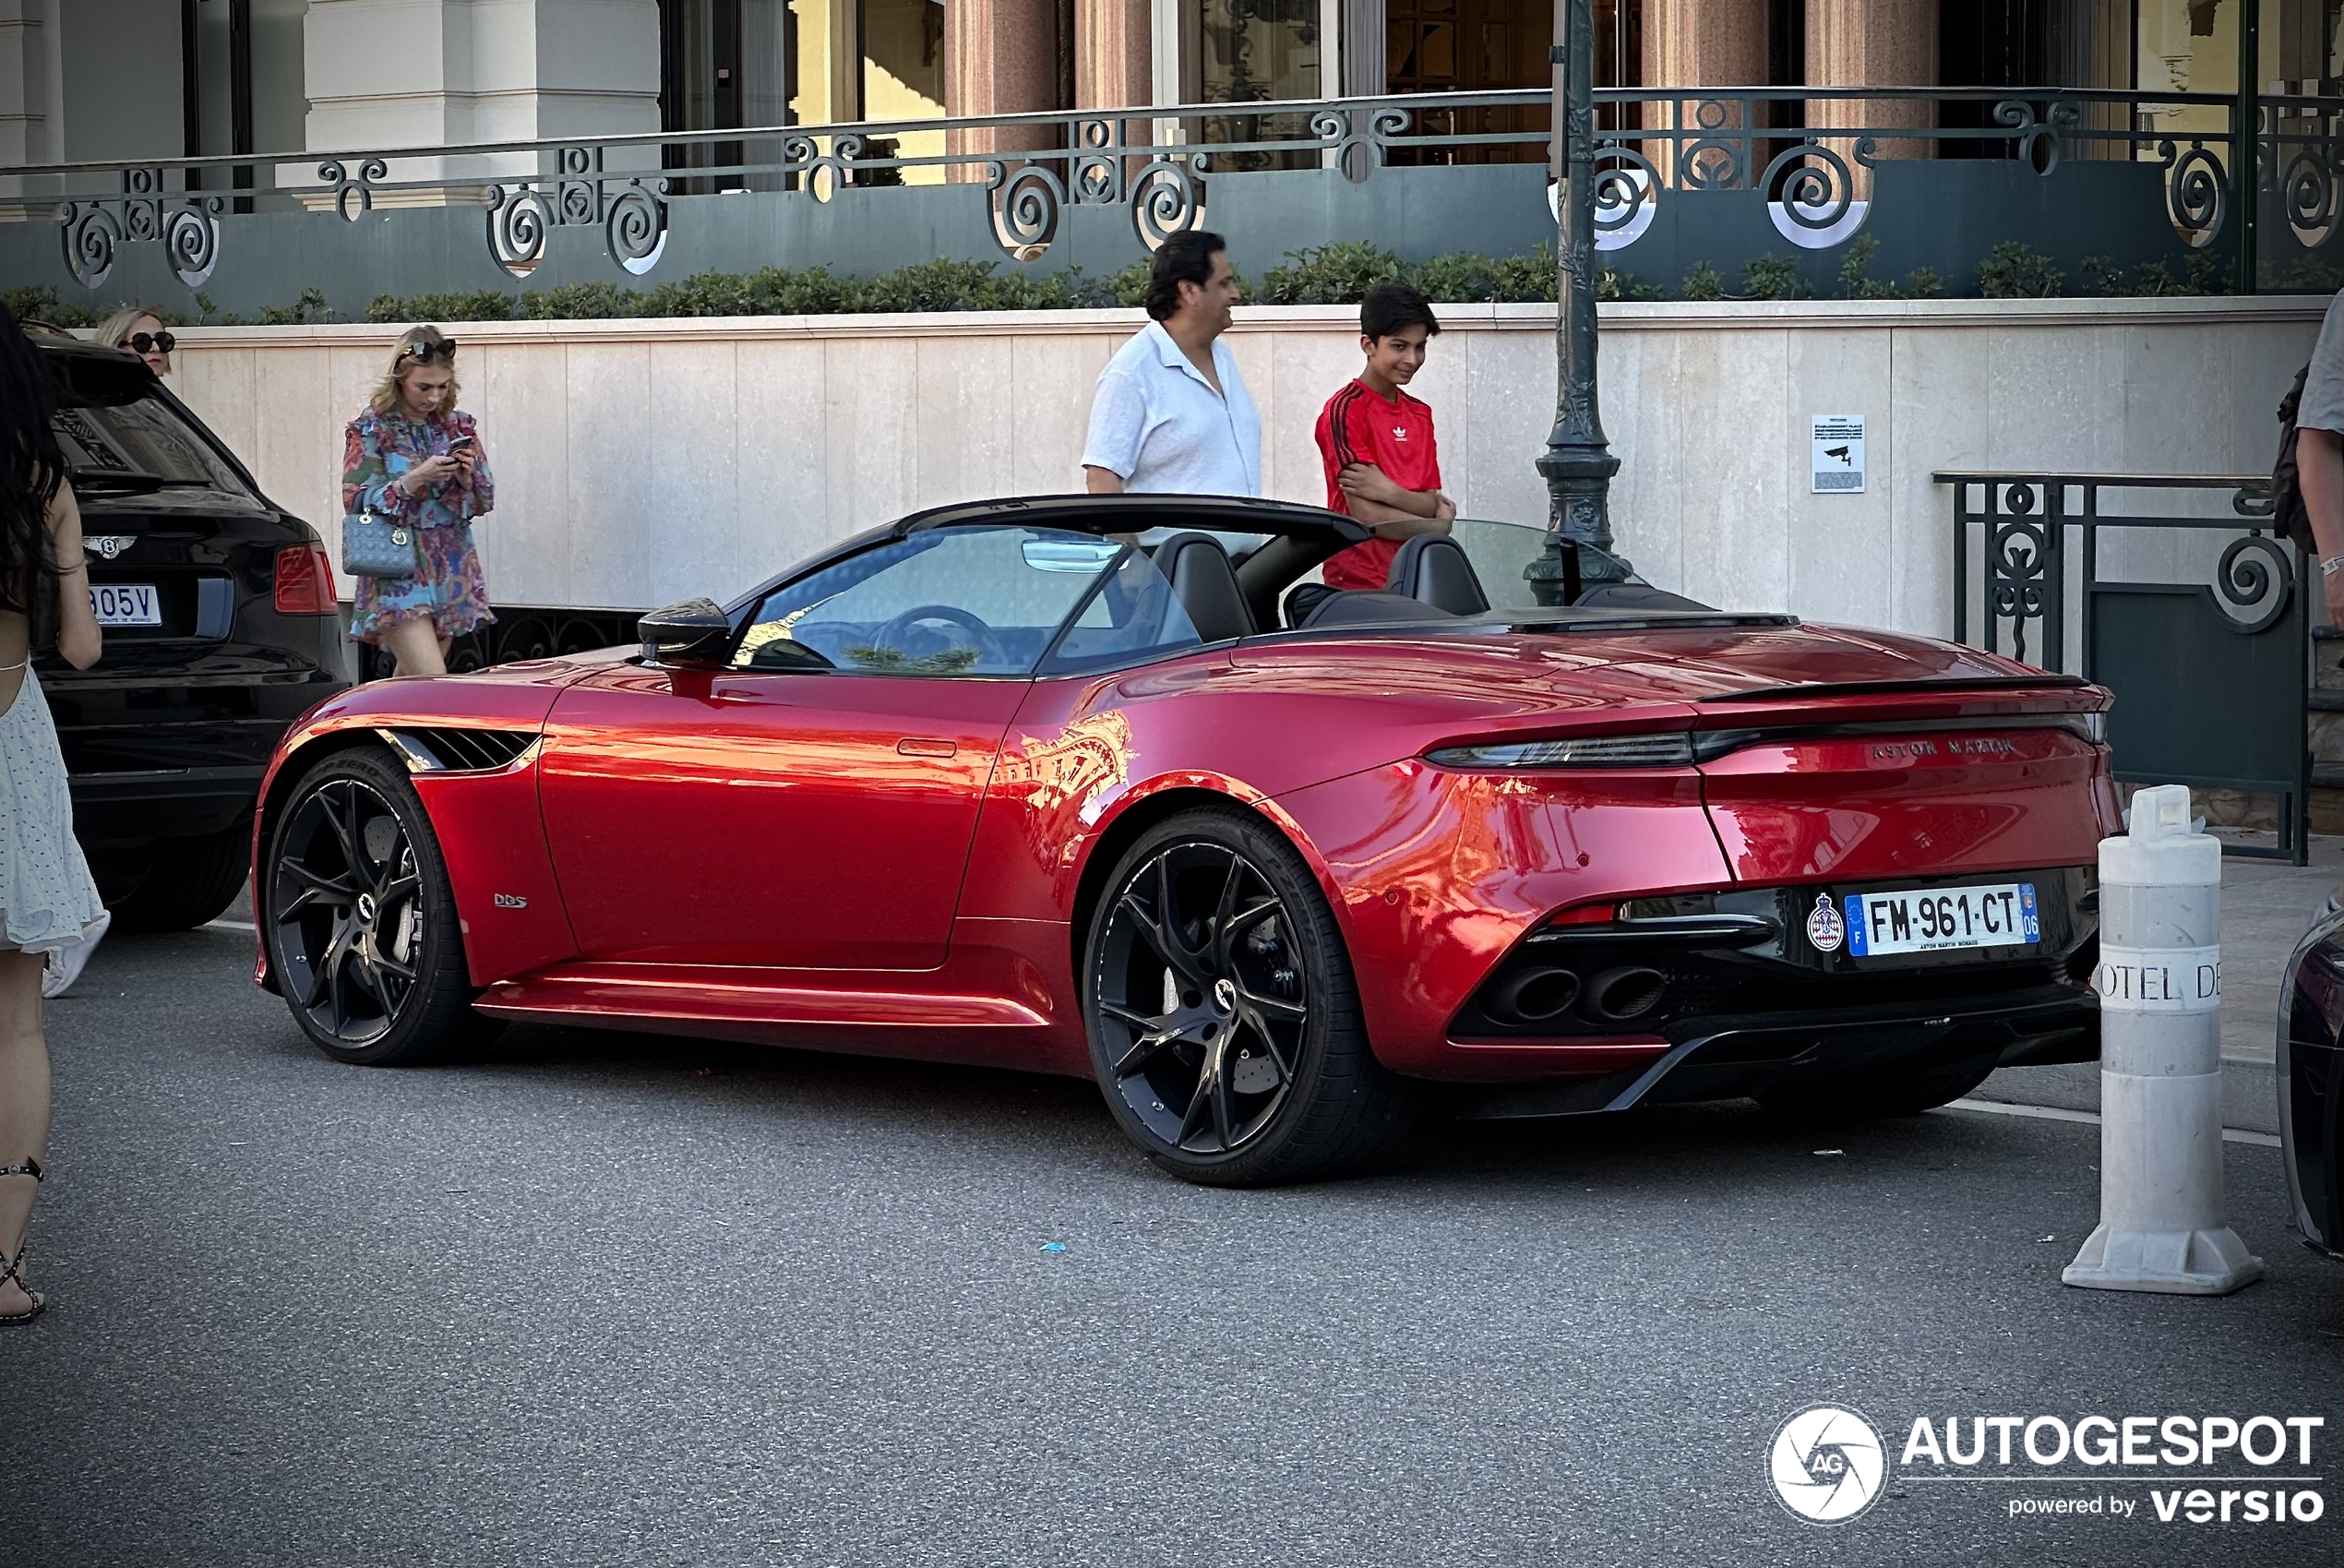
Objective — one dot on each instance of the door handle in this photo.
(919, 746)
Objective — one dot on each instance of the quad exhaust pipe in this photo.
(1544, 994)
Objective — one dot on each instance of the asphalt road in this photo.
(600, 1298)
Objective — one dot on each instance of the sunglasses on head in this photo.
(425, 352)
(143, 342)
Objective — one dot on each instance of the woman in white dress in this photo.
(49, 907)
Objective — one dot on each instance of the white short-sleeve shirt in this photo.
(2323, 404)
(1157, 423)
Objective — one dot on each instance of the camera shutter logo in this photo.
(1827, 1465)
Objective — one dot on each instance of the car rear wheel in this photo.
(1872, 1095)
(360, 919)
(1223, 1020)
(182, 882)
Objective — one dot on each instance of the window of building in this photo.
(1253, 51)
(902, 77)
(1490, 46)
(724, 64)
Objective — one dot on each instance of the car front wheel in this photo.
(359, 918)
(1224, 1022)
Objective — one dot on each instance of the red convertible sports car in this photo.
(999, 785)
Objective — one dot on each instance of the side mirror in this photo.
(695, 634)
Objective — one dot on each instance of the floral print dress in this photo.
(448, 585)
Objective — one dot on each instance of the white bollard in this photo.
(2161, 1055)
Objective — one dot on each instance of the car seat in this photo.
(1432, 568)
(1362, 606)
(1206, 585)
(1303, 598)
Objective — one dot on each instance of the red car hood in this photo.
(518, 696)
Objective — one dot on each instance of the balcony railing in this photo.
(1810, 169)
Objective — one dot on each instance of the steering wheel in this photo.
(981, 639)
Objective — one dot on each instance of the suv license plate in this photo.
(1934, 919)
(125, 604)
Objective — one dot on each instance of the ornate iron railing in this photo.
(1156, 165)
(2210, 671)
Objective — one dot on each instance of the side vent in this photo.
(459, 750)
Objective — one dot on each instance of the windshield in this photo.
(951, 601)
(139, 445)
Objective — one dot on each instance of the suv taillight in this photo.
(305, 581)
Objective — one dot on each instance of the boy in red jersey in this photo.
(1384, 466)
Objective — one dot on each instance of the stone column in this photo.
(30, 126)
(400, 73)
(1113, 63)
(1703, 43)
(1872, 43)
(1000, 57)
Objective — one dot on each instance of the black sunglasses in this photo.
(141, 342)
(426, 352)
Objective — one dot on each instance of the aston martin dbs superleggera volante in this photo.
(1102, 785)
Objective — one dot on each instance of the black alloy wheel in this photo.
(359, 918)
(1223, 1020)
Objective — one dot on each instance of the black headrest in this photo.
(1303, 598)
(1432, 568)
(1206, 585)
(1367, 607)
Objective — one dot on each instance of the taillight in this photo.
(1671, 749)
(305, 581)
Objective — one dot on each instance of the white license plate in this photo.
(1934, 919)
(125, 604)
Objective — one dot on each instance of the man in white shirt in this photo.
(2319, 455)
(1170, 413)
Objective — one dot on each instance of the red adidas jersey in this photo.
(1359, 427)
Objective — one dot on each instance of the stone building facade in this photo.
(120, 80)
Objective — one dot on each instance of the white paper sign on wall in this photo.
(1838, 465)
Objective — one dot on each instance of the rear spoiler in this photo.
(1929, 686)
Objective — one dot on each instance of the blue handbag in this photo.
(375, 545)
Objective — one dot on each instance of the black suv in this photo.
(221, 629)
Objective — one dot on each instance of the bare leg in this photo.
(24, 1105)
(418, 647)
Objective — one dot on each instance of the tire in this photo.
(1229, 1039)
(186, 881)
(360, 919)
(1874, 1096)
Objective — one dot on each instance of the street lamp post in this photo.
(1578, 464)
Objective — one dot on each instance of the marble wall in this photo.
(642, 462)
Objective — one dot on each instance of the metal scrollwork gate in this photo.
(2210, 673)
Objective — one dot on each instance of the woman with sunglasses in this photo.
(140, 330)
(415, 457)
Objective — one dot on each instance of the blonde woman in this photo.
(140, 330)
(415, 457)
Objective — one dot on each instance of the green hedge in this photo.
(1334, 274)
